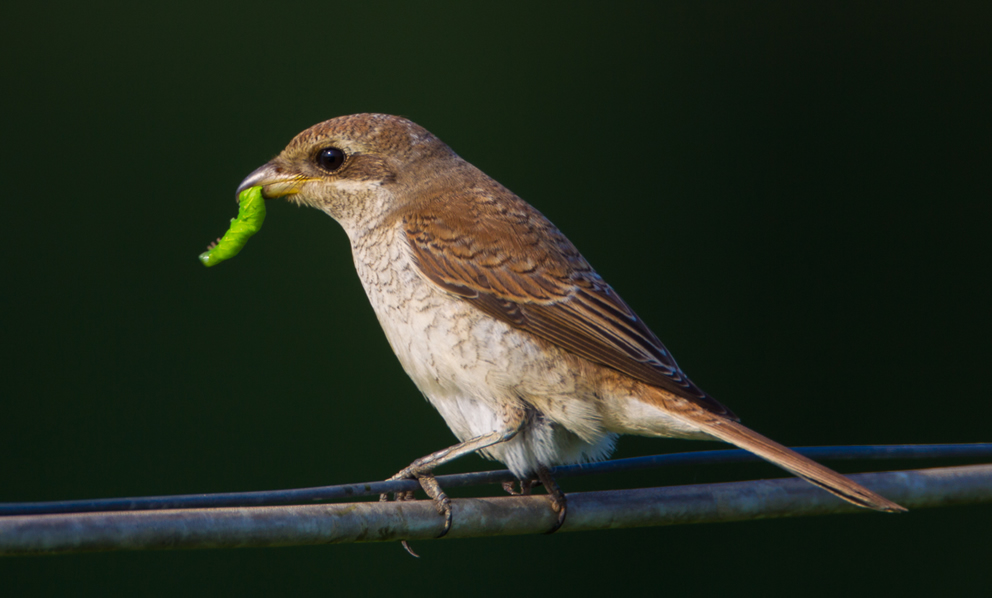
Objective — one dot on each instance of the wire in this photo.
(325, 493)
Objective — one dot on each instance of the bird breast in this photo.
(479, 372)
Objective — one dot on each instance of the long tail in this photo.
(791, 461)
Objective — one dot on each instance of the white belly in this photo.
(478, 372)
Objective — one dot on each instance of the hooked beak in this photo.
(273, 181)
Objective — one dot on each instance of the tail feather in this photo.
(793, 462)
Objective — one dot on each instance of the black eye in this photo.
(330, 159)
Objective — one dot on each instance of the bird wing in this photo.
(509, 261)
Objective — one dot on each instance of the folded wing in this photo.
(515, 266)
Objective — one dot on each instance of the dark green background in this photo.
(794, 196)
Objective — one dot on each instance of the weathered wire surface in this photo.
(350, 491)
(417, 520)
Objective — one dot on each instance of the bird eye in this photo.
(330, 158)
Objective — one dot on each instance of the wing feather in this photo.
(515, 266)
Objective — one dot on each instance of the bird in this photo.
(531, 358)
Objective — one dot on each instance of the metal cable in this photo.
(347, 491)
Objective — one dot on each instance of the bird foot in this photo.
(525, 487)
(555, 495)
(429, 483)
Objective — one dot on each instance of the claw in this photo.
(406, 545)
(555, 495)
(441, 501)
(429, 483)
(525, 487)
(404, 474)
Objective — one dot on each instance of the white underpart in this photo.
(636, 417)
(479, 373)
(482, 375)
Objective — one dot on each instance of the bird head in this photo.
(357, 168)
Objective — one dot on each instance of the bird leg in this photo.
(422, 469)
(525, 487)
(555, 494)
(557, 497)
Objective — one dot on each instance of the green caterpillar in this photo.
(251, 215)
